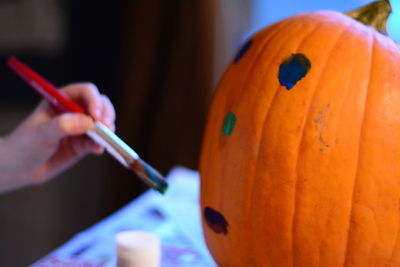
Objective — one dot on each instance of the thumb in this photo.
(67, 124)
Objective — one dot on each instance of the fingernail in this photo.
(109, 121)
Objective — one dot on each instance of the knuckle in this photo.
(65, 124)
(91, 87)
(105, 97)
(112, 127)
(109, 106)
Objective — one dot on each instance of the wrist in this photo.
(10, 177)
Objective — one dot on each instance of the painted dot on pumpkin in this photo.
(243, 51)
(216, 221)
(229, 123)
(293, 69)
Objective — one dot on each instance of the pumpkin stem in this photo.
(374, 14)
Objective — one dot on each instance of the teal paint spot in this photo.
(243, 51)
(149, 175)
(229, 124)
(293, 69)
(155, 177)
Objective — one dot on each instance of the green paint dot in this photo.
(229, 124)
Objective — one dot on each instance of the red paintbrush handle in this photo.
(43, 87)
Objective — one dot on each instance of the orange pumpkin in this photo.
(300, 163)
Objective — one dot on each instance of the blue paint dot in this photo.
(242, 51)
(293, 69)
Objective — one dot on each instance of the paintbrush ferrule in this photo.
(102, 135)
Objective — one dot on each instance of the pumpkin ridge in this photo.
(215, 117)
(259, 141)
(267, 113)
(358, 154)
(335, 125)
(397, 242)
(392, 259)
(305, 120)
(347, 86)
(271, 38)
(267, 42)
(277, 36)
(341, 109)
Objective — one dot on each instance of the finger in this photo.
(88, 95)
(80, 146)
(94, 147)
(84, 145)
(71, 149)
(67, 124)
(108, 112)
(97, 149)
(112, 127)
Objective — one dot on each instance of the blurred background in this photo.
(158, 61)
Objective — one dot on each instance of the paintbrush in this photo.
(101, 134)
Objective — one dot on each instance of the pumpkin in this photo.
(300, 160)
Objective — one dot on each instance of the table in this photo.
(174, 217)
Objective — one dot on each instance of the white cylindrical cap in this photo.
(138, 249)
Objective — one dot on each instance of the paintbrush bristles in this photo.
(149, 175)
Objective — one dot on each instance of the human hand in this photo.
(47, 143)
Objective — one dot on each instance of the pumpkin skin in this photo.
(308, 176)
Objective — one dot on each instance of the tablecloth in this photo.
(174, 217)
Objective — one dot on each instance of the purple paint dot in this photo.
(243, 51)
(216, 221)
